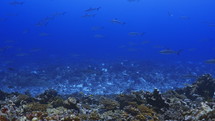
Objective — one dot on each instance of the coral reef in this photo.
(203, 87)
(192, 103)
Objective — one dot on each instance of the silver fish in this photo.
(169, 51)
(92, 9)
(16, 3)
(210, 61)
(117, 21)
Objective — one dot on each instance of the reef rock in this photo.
(204, 87)
(47, 96)
(204, 112)
(156, 100)
(2, 95)
(70, 103)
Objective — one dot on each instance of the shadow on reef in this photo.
(192, 103)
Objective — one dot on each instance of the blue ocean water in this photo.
(91, 46)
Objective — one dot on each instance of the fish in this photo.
(92, 9)
(90, 95)
(169, 51)
(117, 21)
(211, 25)
(16, 3)
(210, 61)
(3, 19)
(48, 18)
(136, 33)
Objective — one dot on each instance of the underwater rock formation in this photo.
(203, 87)
(192, 103)
(2, 95)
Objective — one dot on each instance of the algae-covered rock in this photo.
(57, 102)
(124, 100)
(148, 113)
(114, 115)
(35, 107)
(57, 111)
(22, 99)
(134, 99)
(83, 116)
(71, 103)
(71, 118)
(47, 96)
(131, 110)
(201, 113)
(109, 104)
(94, 116)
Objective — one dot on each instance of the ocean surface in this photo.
(104, 46)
